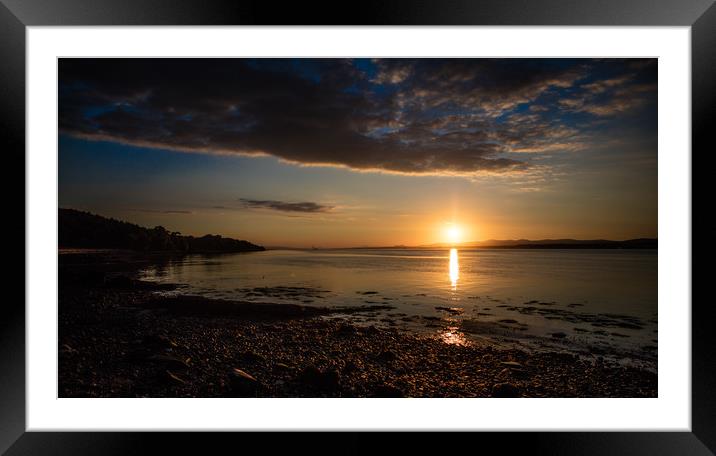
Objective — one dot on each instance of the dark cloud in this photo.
(416, 116)
(284, 206)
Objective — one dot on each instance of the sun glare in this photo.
(454, 234)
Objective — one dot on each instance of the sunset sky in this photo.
(361, 152)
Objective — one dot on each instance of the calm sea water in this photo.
(594, 302)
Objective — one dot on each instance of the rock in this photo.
(520, 373)
(171, 377)
(346, 330)
(251, 357)
(171, 362)
(242, 374)
(512, 364)
(159, 340)
(559, 335)
(323, 380)
(242, 383)
(67, 350)
(139, 354)
(386, 390)
(282, 367)
(387, 355)
(505, 390)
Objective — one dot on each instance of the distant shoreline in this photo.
(503, 247)
(612, 245)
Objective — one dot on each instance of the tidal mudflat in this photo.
(129, 328)
(583, 302)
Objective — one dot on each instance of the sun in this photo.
(453, 233)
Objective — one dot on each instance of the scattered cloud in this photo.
(283, 206)
(616, 95)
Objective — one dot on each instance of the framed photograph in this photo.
(472, 216)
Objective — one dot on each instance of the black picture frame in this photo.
(16, 15)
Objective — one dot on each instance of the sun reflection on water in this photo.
(454, 268)
(453, 336)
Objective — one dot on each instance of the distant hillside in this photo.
(79, 229)
(642, 243)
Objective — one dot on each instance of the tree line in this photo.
(78, 229)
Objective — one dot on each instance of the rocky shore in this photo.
(118, 338)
